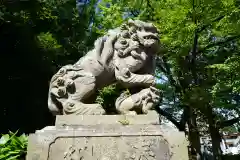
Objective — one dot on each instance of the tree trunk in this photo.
(215, 135)
(194, 137)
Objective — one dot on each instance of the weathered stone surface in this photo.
(74, 120)
(117, 143)
(108, 141)
(126, 55)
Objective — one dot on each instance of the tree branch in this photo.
(184, 118)
(229, 122)
(168, 116)
(203, 27)
(193, 58)
(200, 29)
(171, 118)
(134, 14)
(160, 64)
(229, 39)
(164, 66)
(193, 53)
(149, 5)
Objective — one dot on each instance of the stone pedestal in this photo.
(107, 137)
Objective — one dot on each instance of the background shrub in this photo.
(13, 147)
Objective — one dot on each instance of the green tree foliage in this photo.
(199, 40)
(107, 97)
(37, 37)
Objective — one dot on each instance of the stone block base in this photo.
(117, 137)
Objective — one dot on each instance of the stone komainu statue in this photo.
(126, 55)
